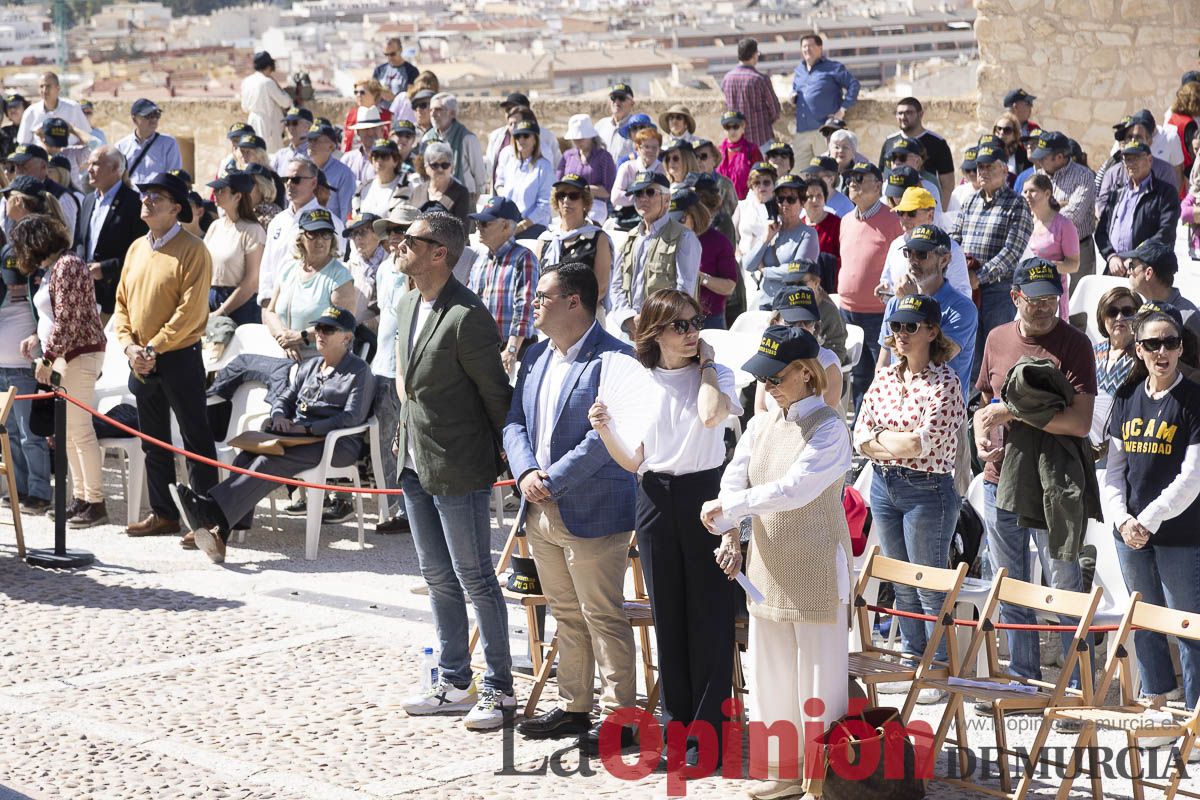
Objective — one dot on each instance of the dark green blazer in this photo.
(454, 394)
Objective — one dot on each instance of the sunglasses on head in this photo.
(570, 195)
(904, 327)
(681, 326)
(1120, 312)
(1157, 343)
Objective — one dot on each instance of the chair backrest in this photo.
(6, 403)
(733, 350)
(1188, 285)
(754, 321)
(1048, 600)
(249, 401)
(255, 339)
(934, 579)
(975, 494)
(854, 345)
(1086, 294)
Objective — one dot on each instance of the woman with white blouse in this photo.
(679, 460)
(908, 427)
(527, 180)
(787, 475)
(751, 216)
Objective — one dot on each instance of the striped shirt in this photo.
(995, 232)
(1075, 191)
(505, 281)
(749, 91)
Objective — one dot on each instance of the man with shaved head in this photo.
(111, 222)
(51, 105)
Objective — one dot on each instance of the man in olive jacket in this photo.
(454, 397)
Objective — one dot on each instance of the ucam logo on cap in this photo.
(796, 266)
(895, 179)
(795, 298)
(768, 346)
(571, 176)
(911, 302)
(320, 214)
(921, 232)
(332, 311)
(1041, 272)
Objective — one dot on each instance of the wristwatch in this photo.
(709, 363)
(304, 336)
(512, 349)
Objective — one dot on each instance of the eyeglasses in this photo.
(1004, 129)
(768, 183)
(359, 91)
(904, 327)
(326, 330)
(570, 196)
(913, 255)
(774, 380)
(440, 165)
(681, 326)
(703, 156)
(1157, 343)
(855, 179)
(295, 179)
(541, 297)
(907, 214)
(1040, 302)
(420, 105)
(318, 234)
(645, 193)
(788, 199)
(673, 157)
(1120, 312)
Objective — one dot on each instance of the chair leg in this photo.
(358, 505)
(135, 487)
(312, 530)
(541, 676)
(377, 470)
(12, 494)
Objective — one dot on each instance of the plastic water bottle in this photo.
(997, 433)
(429, 669)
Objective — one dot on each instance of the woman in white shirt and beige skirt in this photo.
(692, 596)
(787, 475)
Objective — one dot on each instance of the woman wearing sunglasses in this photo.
(1150, 492)
(366, 95)
(574, 238)
(787, 475)
(908, 426)
(787, 240)
(441, 186)
(1008, 129)
(1115, 356)
(798, 306)
(526, 179)
(679, 160)
(679, 460)
(755, 212)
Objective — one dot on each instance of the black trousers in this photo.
(693, 601)
(177, 385)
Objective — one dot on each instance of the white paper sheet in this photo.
(751, 590)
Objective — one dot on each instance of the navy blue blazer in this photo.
(595, 496)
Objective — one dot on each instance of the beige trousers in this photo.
(807, 145)
(83, 450)
(584, 583)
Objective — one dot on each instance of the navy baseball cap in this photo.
(764, 166)
(56, 131)
(28, 152)
(498, 207)
(917, 308)
(316, 219)
(905, 146)
(175, 187)
(316, 131)
(526, 126)
(239, 182)
(732, 118)
(798, 270)
(385, 146)
(925, 238)
(899, 179)
(791, 182)
(779, 346)
(1134, 147)
(819, 164)
(25, 184)
(1165, 309)
(294, 114)
(366, 220)
(1049, 143)
(239, 129)
(703, 182)
(681, 201)
(989, 153)
(865, 168)
(968, 160)
(515, 99)
(780, 148)
(620, 90)
(644, 180)
(1037, 277)
(796, 304)
(338, 318)
(1156, 255)
(1016, 96)
(144, 108)
(571, 179)
(404, 126)
(830, 125)
(676, 144)
(252, 141)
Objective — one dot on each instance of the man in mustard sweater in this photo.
(160, 314)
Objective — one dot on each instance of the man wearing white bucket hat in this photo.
(588, 159)
(369, 128)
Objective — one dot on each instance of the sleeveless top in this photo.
(793, 553)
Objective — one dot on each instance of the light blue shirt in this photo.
(1120, 229)
(159, 244)
(390, 286)
(99, 214)
(821, 91)
(302, 300)
(772, 258)
(960, 323)
(839, 204)
(528, 185)
(162, 155)
(343, 183)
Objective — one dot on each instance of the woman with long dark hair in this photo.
(235, 240)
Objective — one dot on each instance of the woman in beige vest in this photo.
(787, 475)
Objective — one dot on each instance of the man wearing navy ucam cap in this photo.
(147, 151)
(659, 254)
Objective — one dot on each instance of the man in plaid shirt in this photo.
(993, 228)
(749, 91)
(505, 278)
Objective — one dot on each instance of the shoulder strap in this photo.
(141, 155)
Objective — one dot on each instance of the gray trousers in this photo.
(239, 494)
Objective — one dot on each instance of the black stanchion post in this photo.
(60, 557)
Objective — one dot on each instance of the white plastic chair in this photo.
(733, 350)
(1188, 286)
(248, 407)
(133, 468)
(1087, 294)
(855, 336)
(255, 339)
(753, 321)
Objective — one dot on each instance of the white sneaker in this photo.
(490, 710)
(927, 697)
(443, 698)
(1155, 718)
(893, 687)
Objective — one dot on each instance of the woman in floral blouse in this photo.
(908, 427)
(72, 343)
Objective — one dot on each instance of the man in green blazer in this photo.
(454, 396)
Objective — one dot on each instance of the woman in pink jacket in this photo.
(738, 153)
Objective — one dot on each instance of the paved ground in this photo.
(157, 674)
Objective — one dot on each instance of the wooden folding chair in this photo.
(875, 665)
(1129, 715)
(999, 688)
(7, 398)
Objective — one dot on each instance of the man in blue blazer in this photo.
(579, 504)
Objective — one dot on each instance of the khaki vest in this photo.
(793, 553)
(659, 271)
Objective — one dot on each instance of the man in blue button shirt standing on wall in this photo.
(820, 88)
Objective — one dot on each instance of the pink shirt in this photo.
(1057, 242)
(736, 160)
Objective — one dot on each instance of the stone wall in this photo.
(1089, 62)
(205, 121)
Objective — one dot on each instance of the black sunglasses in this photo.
(1124, 312)
(855, 178)
(907, 214)
(681, 326)
(646, 193)
(439, 165)
(904, 327)
(1161, 343)
(774, 380)
(326, 329)
(420, 105)
(915, 255)
(787, 199)
(293, 179)
(410, 238)
(570, 195)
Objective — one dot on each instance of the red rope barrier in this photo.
(42, 396)
(214, 463)
(1003, 626)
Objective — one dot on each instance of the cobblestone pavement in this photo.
(155, 674)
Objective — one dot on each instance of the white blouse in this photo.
(678, 443)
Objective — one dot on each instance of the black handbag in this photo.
(876, 736)
(41, 413)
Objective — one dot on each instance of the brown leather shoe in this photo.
(188, 542)
(153, 525)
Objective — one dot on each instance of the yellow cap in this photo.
(915, 198)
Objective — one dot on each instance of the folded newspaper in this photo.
(270, 444)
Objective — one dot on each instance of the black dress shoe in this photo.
(589, 742)
(554, 724)
(396, 524)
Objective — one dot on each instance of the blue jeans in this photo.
(915, 514)
(1166, 576)
(30, 453)
(864, 371)
(1008, 547)
(996, 309)
(453, 538)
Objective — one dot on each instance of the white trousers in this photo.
(795, 663)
